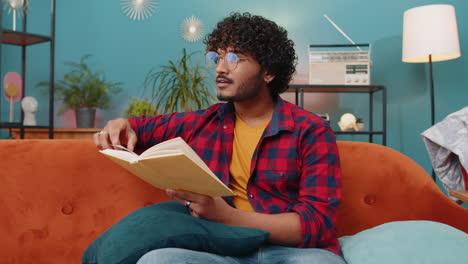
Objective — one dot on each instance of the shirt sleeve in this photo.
(320, 187)
(151, 130)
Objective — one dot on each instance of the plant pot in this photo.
(360, 126)
(85, 117)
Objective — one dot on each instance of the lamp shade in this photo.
(430, 30)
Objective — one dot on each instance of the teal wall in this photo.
(127, 49)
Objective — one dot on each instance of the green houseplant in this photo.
(84, 91)
(139, 107)
(179, 86)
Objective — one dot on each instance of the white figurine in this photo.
(348, 121)
(29, 105)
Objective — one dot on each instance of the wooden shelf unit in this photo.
(300, 89)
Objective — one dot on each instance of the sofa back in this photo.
(57, 196)
(382, 185)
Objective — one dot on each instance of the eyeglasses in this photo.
(230, 59)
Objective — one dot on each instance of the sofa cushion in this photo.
(407, 242)
(169, 225)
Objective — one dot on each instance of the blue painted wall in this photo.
(128, 49)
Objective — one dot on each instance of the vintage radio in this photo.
(347, 64)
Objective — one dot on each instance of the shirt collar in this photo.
(282, 118)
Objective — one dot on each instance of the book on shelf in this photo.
(171, 164)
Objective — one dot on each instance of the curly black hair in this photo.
(261, 38)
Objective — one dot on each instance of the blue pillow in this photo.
(407, 242)
(169, 225)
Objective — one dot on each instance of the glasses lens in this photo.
(231, 60)
(212, 58)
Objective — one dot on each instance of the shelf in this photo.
(18, 125)
(22, 38)
(9, 125)
(59, 133)
(301, 89)
(359, 132)
(334, 88)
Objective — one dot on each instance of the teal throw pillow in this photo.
(166, 225)
(407, 242)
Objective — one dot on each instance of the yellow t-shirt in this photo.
(245, 141)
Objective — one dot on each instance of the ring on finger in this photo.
(187, 205)
(102, 132)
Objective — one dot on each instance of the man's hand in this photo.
(116, 132)
(284, 228)
(203, 206)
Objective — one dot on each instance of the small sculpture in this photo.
(347, 121)
(29, 106)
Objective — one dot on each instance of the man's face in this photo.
(238, 82)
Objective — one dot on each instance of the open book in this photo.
(171, 164)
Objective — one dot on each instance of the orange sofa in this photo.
(57, 196)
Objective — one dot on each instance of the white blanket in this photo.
(447, 145)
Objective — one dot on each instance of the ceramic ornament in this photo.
(29, 105)
(138, 9)
(347, 121)
(13, 86)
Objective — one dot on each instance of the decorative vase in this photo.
(85, 117)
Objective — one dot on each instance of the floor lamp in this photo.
(430, 34)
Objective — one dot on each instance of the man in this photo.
(281, 161)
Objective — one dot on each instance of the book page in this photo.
(169, 146)
(174, 146)
(121, 154)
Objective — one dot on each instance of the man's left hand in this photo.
(203, 206)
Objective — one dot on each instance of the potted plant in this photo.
(84, 91)
(179, 86)
(360, 124)
(139, 107)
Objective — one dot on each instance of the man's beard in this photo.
(243, 93)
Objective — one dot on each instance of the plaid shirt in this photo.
(295, 167)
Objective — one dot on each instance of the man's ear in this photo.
(269, 77)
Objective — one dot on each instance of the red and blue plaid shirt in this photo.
(295, 167)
